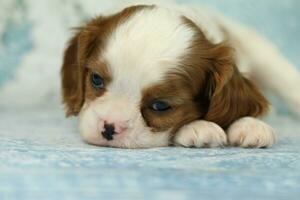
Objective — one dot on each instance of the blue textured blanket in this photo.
(42, 157)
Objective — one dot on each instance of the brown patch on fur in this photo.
(94, 65)
(72, 79)
(238, 98)
(178, 94)
(225, 92)
(81, 52)
(207, 86)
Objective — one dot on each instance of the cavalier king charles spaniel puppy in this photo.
(154, 75)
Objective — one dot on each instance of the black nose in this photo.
(109, 131)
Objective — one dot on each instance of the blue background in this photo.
(275, 19)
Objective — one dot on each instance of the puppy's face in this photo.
(136, 77)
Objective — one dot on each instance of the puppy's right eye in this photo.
(160, 106)
(97, 81)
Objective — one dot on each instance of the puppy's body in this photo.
(152, 76)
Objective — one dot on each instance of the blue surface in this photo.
(43, 157)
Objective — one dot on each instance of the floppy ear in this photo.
(73, 70)
(72, 78)
(229, 94)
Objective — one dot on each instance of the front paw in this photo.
(200, 134)
(251, 133)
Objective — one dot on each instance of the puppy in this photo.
(153, 76)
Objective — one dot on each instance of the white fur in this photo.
(251, 132)
(138, 53)
(137, 135)
(201, 133)
(144, 48)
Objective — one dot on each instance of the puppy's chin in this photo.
(137, 136)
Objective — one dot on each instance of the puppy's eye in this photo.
(97, 81)
(160, 106)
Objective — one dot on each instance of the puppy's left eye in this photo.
(97, 81)
(160, 106)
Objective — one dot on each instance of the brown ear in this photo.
(230, 95)
(73, 70)
(72, 78)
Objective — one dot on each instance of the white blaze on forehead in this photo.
(144, 47)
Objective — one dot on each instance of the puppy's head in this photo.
(137, 76)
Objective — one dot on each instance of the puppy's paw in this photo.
(251, 133)
(201, 134)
